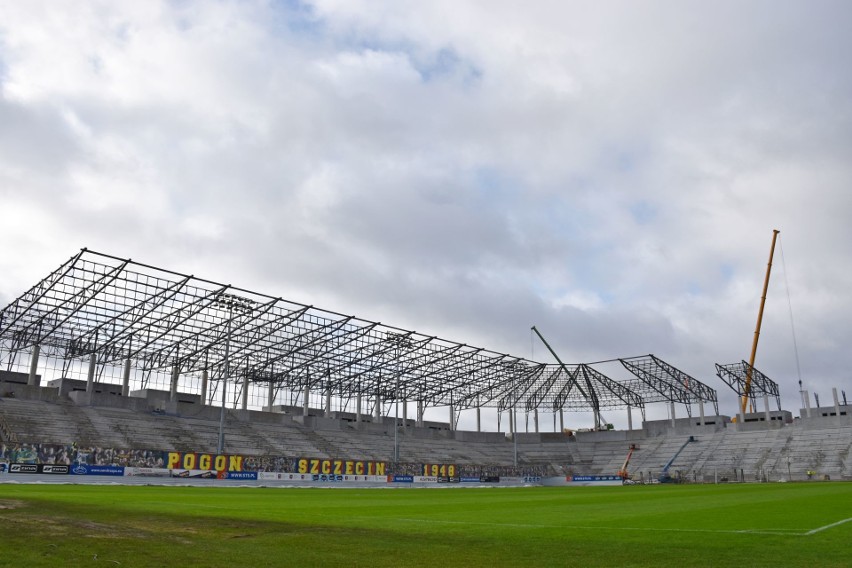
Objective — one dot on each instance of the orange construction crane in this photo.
(759, 320)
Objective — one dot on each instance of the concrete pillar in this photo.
(673, 413)
(561, 419)
(404, 415)
(452, 417)
(358, 408)
(125, 379)
(512, 421)
(205, 383)
(328, 403)
(174, 384)
(535, 419)
(244, 404)
(478, 419)
(378, 410)
(807, 398)
(701, 411)
(836, 403)
(90, 380)
(34, 379)
(629, 418)
(306, 401)
(766, 408)
(420, 412)
(270, 396)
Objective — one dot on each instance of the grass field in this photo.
(806, 524)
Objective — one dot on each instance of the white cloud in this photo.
(611, 172)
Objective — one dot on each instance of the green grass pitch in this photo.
(781, 524)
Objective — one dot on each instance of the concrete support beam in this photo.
(535, 419)
(174, 383)
(33, 379)
(328, 403)
(205, 383)
(807, 397)
(358, 408)
(270, 395)
(478, 419)
(452, 417)
(836, 403)
(420, 412)
(673, 413)
(629, 418)
(701, 411)
(378, 409)
(404, 415)
(125, 378)
(766, 408)
(306, 400)
(90, 379)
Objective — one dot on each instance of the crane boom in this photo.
(759, 321)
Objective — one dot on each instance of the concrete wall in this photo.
(13, 377)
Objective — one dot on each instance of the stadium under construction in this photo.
(120, 367)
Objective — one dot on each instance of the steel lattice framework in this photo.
(120, 310)
(735, 376)
(665, 383)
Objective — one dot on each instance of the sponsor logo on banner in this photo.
(146, 472)
(402, 479)
(532, 479)
(82, 469)
(489, 479)
(327, 478)
(596, 478)
(194, 473)
(54, 469)
(469, 480)
(23, 468)
(424, 479)
(242, 475)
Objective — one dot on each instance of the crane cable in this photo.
(792, 325)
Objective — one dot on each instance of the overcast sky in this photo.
(610, 172)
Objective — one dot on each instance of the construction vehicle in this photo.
(622, 473)
(664, 474)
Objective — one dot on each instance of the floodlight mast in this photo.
(759, 321)
(591, 397)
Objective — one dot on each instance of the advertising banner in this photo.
(596, 480)
(44, 468)
(246, 475)
(146, 472)
(4, 467)
(84, 469)
(469, 480)
(327, 478)
(401, 478)
(195, 473)
(274, 476)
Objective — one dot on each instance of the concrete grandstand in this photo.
(106, 359)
